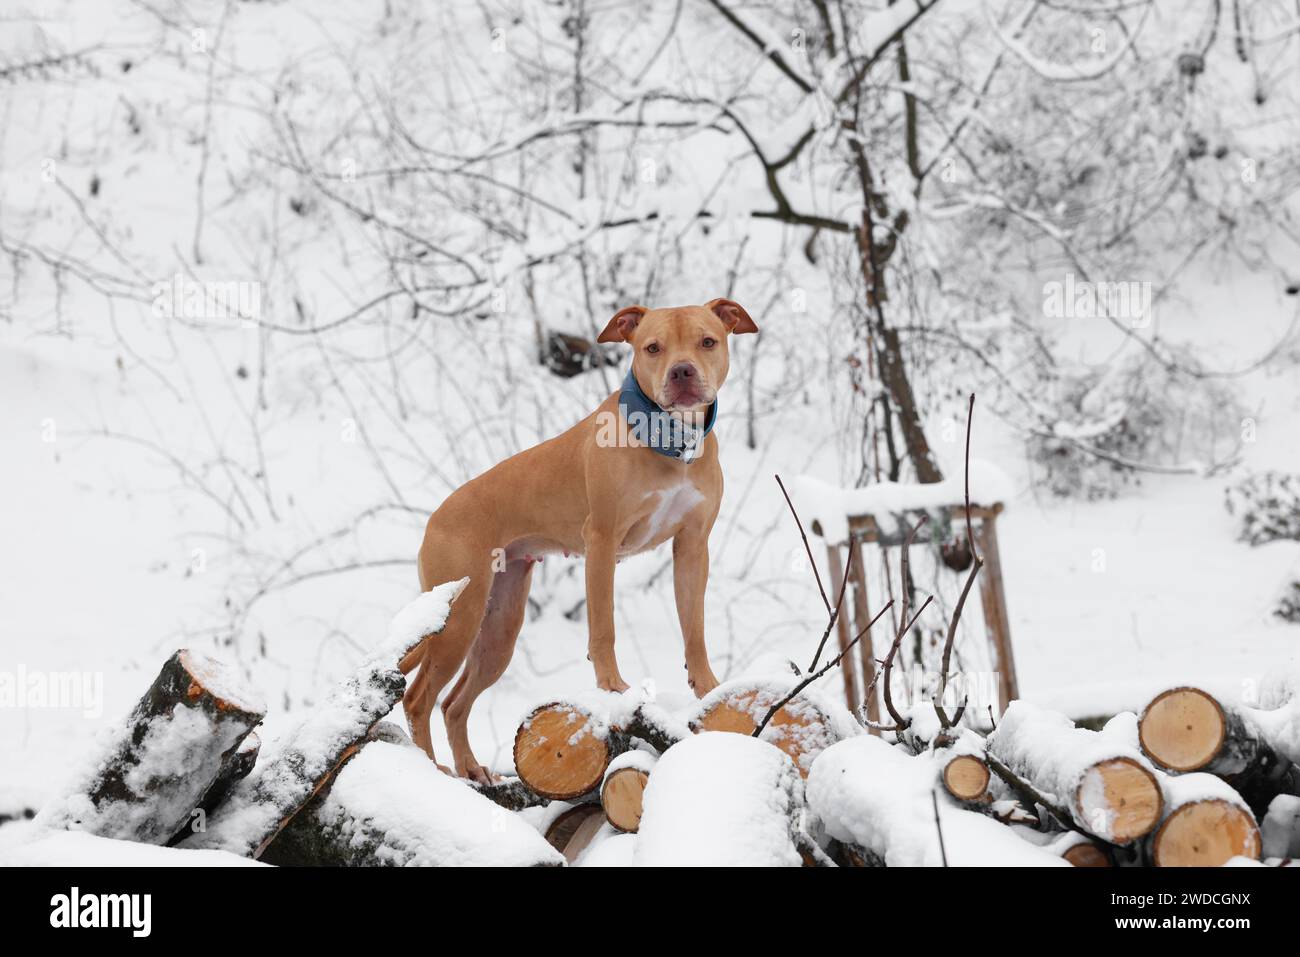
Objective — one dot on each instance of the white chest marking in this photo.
(671, 507)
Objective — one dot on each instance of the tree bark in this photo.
(392, 807)
(174, 746)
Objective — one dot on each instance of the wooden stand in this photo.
(997, 623)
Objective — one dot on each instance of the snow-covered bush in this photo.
(1268, 506)
(1108, 423)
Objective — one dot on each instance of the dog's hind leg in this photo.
(488, 658)
(442, 654)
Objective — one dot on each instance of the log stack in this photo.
(744, 776)
(1187, 729)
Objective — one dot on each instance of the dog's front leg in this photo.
(601, 549)
(690, 579)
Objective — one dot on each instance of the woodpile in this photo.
(760, 772)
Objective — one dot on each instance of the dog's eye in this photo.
(709, 342)
(653, 348)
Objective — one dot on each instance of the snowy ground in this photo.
(110, 560)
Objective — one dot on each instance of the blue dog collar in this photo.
(652, 426)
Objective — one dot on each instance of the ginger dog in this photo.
(640, 470)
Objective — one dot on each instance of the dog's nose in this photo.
(682, 372)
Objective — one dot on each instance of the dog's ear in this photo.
(733, 316)
(621, 326)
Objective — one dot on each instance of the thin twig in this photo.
(976, 564)
(887, 665)
(807, 547)
(771, 712)
(934, 799)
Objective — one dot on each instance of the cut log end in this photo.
(218, 684)
(1087, 855)
(1206, 834)
(1120, 800)
(1182, 729)
(560, 752)
(799, 728)
(966, 777)
(622, 796)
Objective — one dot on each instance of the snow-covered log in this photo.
(1106, 786)
(623, 790)
(311, 753)
(879, 799)
(1187, 729)
(722, 800)
(563, 749)
(155, 769)
(1280, 828)
(802, 728)
(392, 807)
(236, 765)
(1206, 824)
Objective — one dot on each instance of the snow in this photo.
(425, 615)
(868, 792)
(636, 759)
(719, 800)
(608, 848)
(1280, 829)
(30, 844)
(1063, 757)
(1280, 725)
(177, 759)
(1182, 789)
(832, 507)
(422, 817)
(224, 681)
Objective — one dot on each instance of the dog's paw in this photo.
(702, 685)
(479, 775)
(612, 684)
